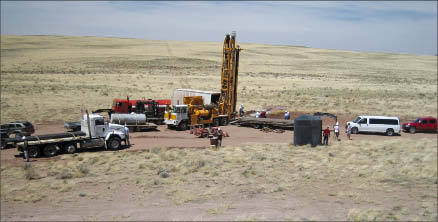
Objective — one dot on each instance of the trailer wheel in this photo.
(114, 143)
(204, 135)
(224, 121)
(257, 126)
(50, 150)
(70, 148)
(34, 151)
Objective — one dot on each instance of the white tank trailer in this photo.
(134, 121)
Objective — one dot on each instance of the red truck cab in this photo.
(424, 124)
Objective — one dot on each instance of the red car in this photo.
(424, 124)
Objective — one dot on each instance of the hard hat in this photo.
(218, 128)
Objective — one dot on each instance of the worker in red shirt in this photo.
(326, 134)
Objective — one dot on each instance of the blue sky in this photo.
(389, 26)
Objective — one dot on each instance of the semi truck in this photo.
(209, 108)
(95, 132)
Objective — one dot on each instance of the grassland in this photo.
(366, 180)
(51, 78)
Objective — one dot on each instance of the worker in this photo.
(241, 112)
(219, 134)
(287, 115)
(326, 134)
(348, 131)
(25, 149)
(127, 143)
(336, 129)
(257, 114)
(263, 114)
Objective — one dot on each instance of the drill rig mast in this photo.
(229, 78)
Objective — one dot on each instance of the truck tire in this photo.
(182, 126)
(412, 129)
(224, 121)
(390, 132)
(34, 151)
(69, 148)
(354, 130)
(50, 150)
(216, 122)
(114, 143)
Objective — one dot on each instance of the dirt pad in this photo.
(252, 191)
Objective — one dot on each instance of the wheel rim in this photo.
(50, 150)
(71, 149)
(390, 132)
(412, 130)
(354, 131)
(115, 144)
(33, 152)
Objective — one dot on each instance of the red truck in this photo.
(424, 124)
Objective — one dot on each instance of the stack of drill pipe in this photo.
(46, 137)
(264, 121)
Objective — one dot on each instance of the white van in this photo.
(376, 124)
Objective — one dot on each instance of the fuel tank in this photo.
(128, 119)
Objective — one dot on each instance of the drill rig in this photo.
(218, 112)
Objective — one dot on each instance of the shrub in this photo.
(30, 173)
(65, 174)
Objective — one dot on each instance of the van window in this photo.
(363, 121)
(356, 120)
(384, 121)
(432, 121)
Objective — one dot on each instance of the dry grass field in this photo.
(50, 78)
(355, 180)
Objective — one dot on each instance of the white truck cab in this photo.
(376, 124)
(100, 132)
(178, 117)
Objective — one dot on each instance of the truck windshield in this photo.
(356, 120)
(177, 109)
(417, 120)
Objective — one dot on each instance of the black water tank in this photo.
(307, 130)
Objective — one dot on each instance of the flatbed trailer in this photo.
(259, 123)
(95, 132)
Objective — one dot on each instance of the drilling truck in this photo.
(213, 110)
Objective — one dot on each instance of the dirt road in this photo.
(239, 136)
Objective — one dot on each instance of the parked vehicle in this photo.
(376, 124)
(95, 132)
(422, 124)
(72, 126)
(17, 129)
